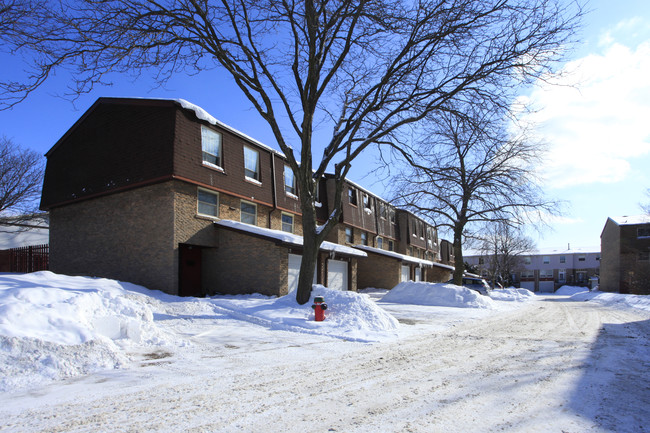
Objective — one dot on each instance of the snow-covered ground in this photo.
(85, 354)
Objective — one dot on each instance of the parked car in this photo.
(477, 284)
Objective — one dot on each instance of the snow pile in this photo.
(439, 294)
(54, 326)
(571, 290)
(351, 316)
(72, 310)
(512, 294)
(641, 302)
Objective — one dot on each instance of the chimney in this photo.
(568, 246)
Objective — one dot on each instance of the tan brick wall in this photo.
(246, 264)
(126, 236)
(378, 271)
(436, 274)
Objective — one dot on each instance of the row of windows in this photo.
(385, 212)
(547, 259)
(349, 238)
(208, 205)
(212, 151)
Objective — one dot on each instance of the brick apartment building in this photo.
(159, 193)
(625, 265)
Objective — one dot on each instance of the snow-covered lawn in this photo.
(85, 354)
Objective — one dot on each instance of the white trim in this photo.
(289, 238)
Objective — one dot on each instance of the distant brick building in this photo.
(625, 264)
(140, 190)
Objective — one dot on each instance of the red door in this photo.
(190, 271)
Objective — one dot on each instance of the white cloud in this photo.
(596, 121)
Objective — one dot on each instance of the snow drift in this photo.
(438, 294)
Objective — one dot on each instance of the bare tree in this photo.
(361, 69)
(473, 168)
(21, 177)
(502, 248)
(646, 207)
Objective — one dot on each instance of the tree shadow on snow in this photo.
(614, 390)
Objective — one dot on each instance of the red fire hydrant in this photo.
(319, 308)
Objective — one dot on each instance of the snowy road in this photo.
(549, 366)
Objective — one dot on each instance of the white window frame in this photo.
(582, 258)
(199, 202)
(562, 259)
(364, 238)
(289, 188)
(527, 260)
(546, 260)
(643, 232)
(286, 224)
(256, 173)
(207, 135)
(241, 212)
(380, 243)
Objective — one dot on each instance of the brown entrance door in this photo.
(190, 271)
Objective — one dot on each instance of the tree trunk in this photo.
(459, 268)
(310, 246)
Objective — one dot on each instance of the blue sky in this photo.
(596, 121)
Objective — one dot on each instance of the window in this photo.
(380, 243)
(562, 259)
(390, 245)
(392, 216)
(581, 258)
(481, 261)
(208, 203)
(546, 273)
(643, 232)
(366, 202)
(527, 261)
(364, 238)
(289, 181)
(248, 213)
(528, 274)
(644, 256)
(382, 210)
(287, 223)
(546, 260)
(561, 275)
(211, 147)
(352, 196)
(349, 236)
(251, 163)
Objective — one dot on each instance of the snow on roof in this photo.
(629, 220)
(402, 257)
(289, 238)
(547, 251)
(204, 115)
